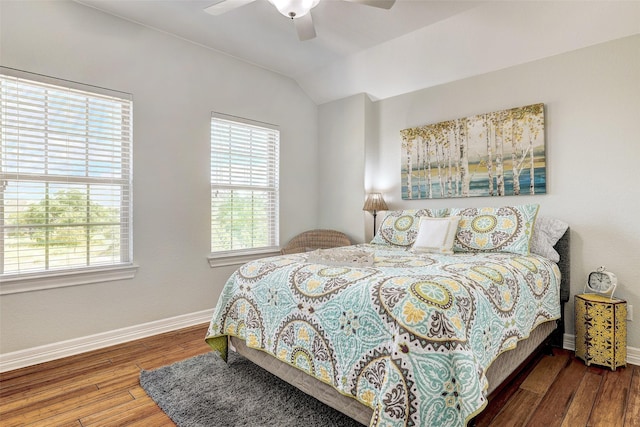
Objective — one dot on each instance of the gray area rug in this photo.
(205, 391)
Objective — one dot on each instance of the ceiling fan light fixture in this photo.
(294, 8)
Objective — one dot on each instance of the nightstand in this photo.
(601, 330)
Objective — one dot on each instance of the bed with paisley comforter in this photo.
(409, 336)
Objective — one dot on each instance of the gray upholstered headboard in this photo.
(563, 248)
(564, 264)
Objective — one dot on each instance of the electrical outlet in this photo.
(629, 313)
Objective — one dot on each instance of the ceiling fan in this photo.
(297, 10)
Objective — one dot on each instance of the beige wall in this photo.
(592, 107)
(344, 131)
(175, 86)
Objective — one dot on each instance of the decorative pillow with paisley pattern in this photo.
(503, 229)
(400, 228)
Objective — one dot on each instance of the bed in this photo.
(395, 336)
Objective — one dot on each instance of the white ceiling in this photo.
(415, 44)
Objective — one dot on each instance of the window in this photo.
(244, 186)
(65, 176)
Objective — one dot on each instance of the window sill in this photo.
(41, 281)
(237, 258)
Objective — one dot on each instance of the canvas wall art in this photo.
(494, 154)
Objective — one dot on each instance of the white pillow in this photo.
(546, 233)
(436, 235)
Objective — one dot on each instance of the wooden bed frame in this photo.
(500, 373)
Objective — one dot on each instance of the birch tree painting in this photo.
(494, 154)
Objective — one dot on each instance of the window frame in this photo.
(56, 277)
(240, 256)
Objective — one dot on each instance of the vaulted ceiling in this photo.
(413, 45)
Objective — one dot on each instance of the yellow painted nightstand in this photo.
(601, 330)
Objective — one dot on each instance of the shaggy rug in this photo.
(205, 391)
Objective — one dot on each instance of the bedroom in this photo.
(592, 100)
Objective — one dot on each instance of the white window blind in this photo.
(65, 176)
(244, 185)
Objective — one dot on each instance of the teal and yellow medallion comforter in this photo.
(411, 336)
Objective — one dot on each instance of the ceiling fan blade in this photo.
(224, 6)
(304, 27)
(382, 4)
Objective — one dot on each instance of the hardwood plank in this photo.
(126, 354)
(52, 375)
(138, 393)
(582, 403)
(156, 420)
(609, 406)
(92, 404)
(545, 373)
(632, 415)
(555, 403)
(40, 368)
(101, 378)
(67, 404)
(73, 423)
(187, 335)
(494, 407)
(124, 377)
(500, 399)
(155, 360)
(138, 353)
(197, 345)
(518, 410)
(194, 334)
(135, 410)
(126, 348)
(52, 400)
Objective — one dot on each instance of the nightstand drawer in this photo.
(601, 330)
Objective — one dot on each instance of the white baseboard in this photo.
(48, 352)
(633, 353)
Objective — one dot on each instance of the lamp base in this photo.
(374, 223)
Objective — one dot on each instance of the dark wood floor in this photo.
(101, 388)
